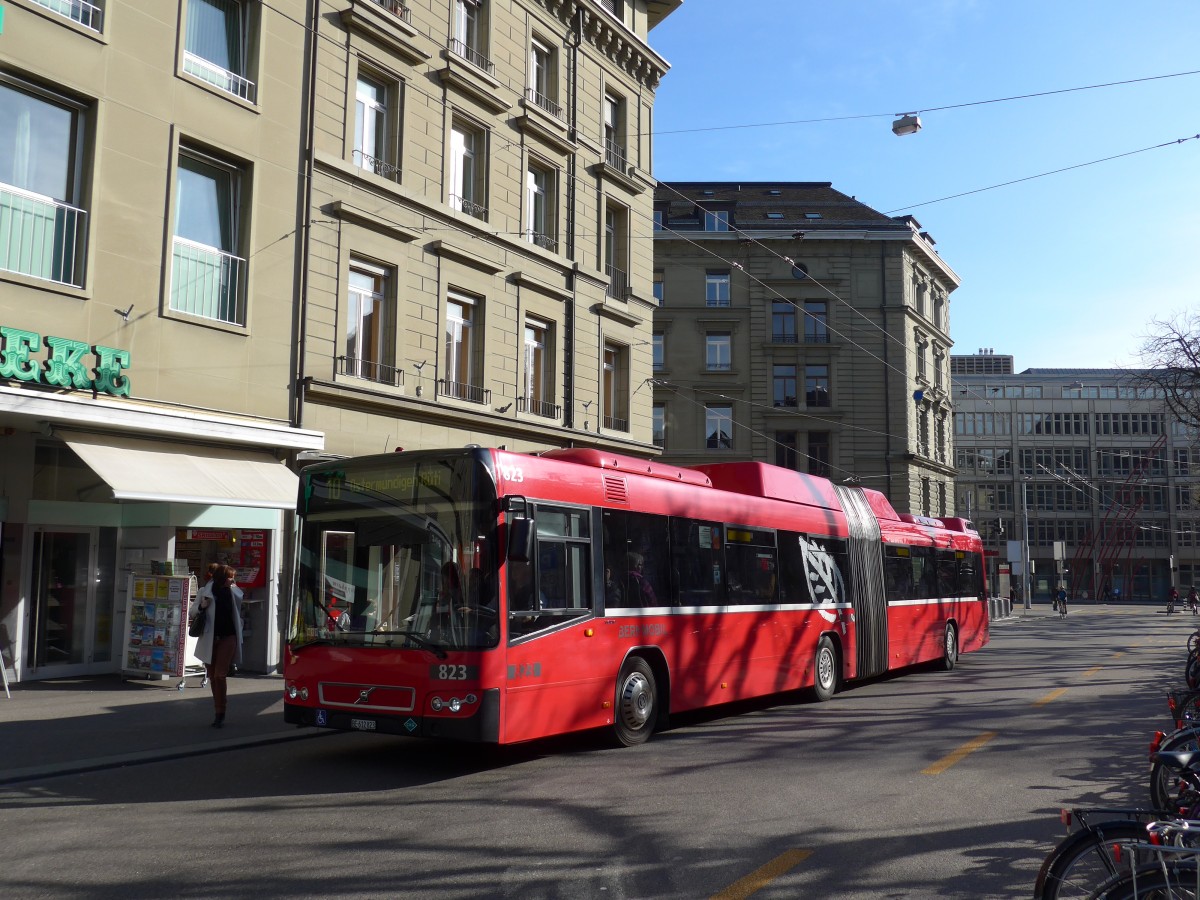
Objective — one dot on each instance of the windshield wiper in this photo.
(315, 642)
(417, 638)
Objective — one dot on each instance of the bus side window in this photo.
(698, 562)
(750, 564)
(898, 573)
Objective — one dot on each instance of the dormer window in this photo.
(812, 215)
(716, 220)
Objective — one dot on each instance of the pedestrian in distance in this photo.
(1172, 599)
(220, 644)
(1193, 601)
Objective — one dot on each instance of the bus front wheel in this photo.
(636, 707)
(950, 648)
(825, 670)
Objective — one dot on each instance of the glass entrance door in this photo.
(67, 635)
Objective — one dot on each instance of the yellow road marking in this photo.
(961, 753)
(760, 878)
(1092, 671)
(1053, 695)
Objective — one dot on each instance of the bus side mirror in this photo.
(520, 540)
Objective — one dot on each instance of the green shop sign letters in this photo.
(64, 366)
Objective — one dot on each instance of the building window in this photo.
(816, 385)
(216, 45)
(816, 322)
(922, 365)
(659, 287)
(370, 326)
(716, 220)
(718, 351)
(543, 82)
(718, 427)
(787, 451)
(470, 32)
(818, 453)
(538, 395)
(468, 191)
(923, 432)
(89, 15)
(539, 208)
(463, 349)
(658, 351)
(783, 386)
(616, 387)
(374, 148)
(660, 218)
(614, 131)
(659, 425)
(783, 322)
(208, 274)
(616, 250)
(716, 288)
(43, 230)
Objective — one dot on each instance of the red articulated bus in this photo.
(483, 595)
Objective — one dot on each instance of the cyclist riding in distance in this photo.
(1060, 601)
(1172, 599)
(1193, 601)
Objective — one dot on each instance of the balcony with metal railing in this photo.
(546, 408)
(88, 15)
(370, 370)
(376, 165)
(470, 207)
(544, 241)
(460, 390)
(614, 155)
(659, 438)
(41, 237)
(473, 56)
(207, 282)
(219, 77)
(397, 9)
(784, 337)
(613, 423)
(714, 366)
(618, 283)
(816, 337)
(543, 102)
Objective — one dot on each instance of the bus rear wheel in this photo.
(636, 707)
(825, 670)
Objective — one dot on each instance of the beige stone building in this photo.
(149, 235)
(800, 327)
(234, 235)
(479, 268)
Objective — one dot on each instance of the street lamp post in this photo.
(1025, 562)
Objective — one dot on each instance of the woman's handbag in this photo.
(197, 627)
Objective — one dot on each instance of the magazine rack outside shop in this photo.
(157, 643)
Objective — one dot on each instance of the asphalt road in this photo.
(927, 784)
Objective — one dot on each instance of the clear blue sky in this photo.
(1065, 270)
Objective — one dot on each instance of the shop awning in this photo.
(164, 472)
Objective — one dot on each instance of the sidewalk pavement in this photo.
(68, 725)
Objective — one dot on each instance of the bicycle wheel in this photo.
(1162, 779)
(1084, 859)
(1194, 643)
(1176, 880)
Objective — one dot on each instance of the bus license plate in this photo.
(362, 724)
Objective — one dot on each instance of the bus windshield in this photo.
(397, 553)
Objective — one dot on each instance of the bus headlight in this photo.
(455, 704)
(294, 691)
(436, 703)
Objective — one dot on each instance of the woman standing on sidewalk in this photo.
(220, 645)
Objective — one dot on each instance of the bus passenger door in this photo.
(551, 675)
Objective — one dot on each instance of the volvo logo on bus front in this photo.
(364, 695)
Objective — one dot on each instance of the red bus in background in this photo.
(484, 595)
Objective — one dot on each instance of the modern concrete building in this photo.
(149, 237)
(481, 196)
(800, 327)
(1090, 462)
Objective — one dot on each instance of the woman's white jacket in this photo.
(204, 643)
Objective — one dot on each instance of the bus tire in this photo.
(635, 711)
(950, 647)
(825, 670)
